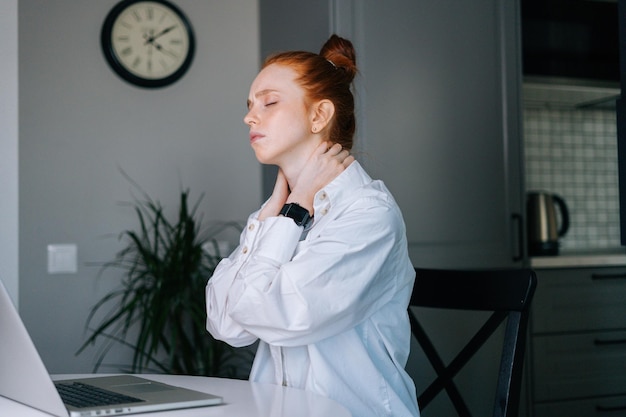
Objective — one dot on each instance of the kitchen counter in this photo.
(608, 257)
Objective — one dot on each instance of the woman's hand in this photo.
(323, 166)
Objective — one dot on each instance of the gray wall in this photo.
(79, 122)
(8, 147)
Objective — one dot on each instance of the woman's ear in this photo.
(323, 112)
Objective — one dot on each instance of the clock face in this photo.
(148, 43)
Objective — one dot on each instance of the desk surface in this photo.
(241, 399)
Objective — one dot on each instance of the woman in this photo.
(322, 275)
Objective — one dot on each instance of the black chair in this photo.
(508, 294)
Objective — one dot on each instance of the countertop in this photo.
(600, 257)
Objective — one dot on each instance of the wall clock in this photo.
(148, 43)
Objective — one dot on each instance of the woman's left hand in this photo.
(323, 166)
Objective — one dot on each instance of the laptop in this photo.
(24, 378)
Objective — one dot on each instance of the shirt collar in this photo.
(344, 184)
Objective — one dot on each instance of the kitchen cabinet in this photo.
(577, 356)
(438, 115)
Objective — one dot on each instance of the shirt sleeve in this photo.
(289, 292)
(227, 284)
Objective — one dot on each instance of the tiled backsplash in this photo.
(573, 153)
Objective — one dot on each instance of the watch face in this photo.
(148, 43)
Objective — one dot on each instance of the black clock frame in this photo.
(114, 62)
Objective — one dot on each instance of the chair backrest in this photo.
(506, 293)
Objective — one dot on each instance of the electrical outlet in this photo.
(62, 259)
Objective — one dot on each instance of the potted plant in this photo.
(159, 311)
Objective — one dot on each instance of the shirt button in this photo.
(245, 250)
(323, 195)
(251, 227)
(324, 211)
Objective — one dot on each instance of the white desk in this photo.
(241, 399)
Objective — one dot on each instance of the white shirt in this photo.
(329, 305)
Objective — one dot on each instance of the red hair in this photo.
(327, 75)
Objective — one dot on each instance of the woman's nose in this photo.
(249, 118)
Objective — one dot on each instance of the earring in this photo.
(314, 129)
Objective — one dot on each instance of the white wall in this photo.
(79, 122)
(8, 148)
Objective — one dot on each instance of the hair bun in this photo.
(341, 54)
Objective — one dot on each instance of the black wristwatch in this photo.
(299, 214)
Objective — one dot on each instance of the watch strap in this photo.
(297, 213)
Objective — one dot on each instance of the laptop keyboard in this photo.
(81, 395)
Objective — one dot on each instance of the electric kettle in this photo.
(543, 230)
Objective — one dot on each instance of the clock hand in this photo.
(163, 50)
(161, 33)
